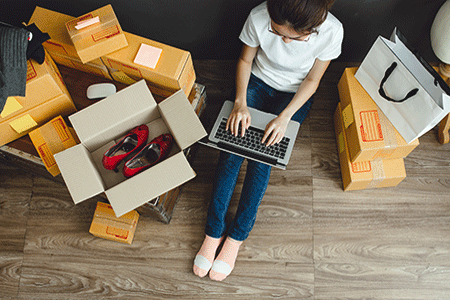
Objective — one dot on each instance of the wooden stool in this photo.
(444, 126)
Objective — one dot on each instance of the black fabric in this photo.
(35, 49)
(13, 62)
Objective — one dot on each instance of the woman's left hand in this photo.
(275, 130)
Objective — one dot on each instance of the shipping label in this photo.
(370, 126)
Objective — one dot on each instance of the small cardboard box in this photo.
(14, 128)
(101, 124)
(44, 82)
(53, 137)
(174, 69)
(98, 39)
(365, 174)
(106, 225)
(369, 133)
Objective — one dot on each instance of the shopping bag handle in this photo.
(383, 81)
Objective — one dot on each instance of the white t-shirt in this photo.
(283, 66)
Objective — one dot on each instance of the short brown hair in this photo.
(300, 15)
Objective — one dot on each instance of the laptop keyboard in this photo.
(251, 142)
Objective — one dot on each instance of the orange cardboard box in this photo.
(22, 123)
(53, 137)
(44, 82)
(365, 174)
(369, 133)
(174, 69)
(106, 225)
(98, 39)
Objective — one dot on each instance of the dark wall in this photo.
(210, 28)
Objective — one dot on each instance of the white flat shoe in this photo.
(202, 262)
(221, 267)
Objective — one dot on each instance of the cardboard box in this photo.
(369, 133)
(173, 71)
(101, 124)
(365, 174)
(98, 39)
(53, 137)
(44, 82)
(106, 225)
(95, 67)
(28, 120)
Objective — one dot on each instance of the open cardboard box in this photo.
(100, 125)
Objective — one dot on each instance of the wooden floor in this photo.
(311, 240)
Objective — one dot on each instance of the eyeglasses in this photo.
(302, 38)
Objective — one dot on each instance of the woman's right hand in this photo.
(239, 118)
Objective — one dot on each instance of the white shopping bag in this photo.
(405, 87)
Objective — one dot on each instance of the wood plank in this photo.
(377, 280)
(64, 277)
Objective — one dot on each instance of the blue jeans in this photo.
(262, 97)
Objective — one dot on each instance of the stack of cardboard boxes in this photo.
(95, 43)
(371, 150)
(169, 71)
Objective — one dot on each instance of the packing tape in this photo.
(100, 218)
(106, 27)
(389, 137)
(378, 174)
(347, 116)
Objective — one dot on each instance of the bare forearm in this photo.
(243, 71)
(306, 89)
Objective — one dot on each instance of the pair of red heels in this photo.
(143, 155)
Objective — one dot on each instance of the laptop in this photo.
(250, 145)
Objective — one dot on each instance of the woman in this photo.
(288, 45)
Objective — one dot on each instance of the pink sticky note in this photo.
(147, 56)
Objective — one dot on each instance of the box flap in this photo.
(115, 115)
(79, 173)
(182, 120)
(150, 184)
(51, 22)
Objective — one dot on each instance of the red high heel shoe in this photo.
(152, 153)
(128, 145)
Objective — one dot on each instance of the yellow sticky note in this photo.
(147, 56)
(341, 143)
(122, 77)
(23, 123)
(11, 106)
